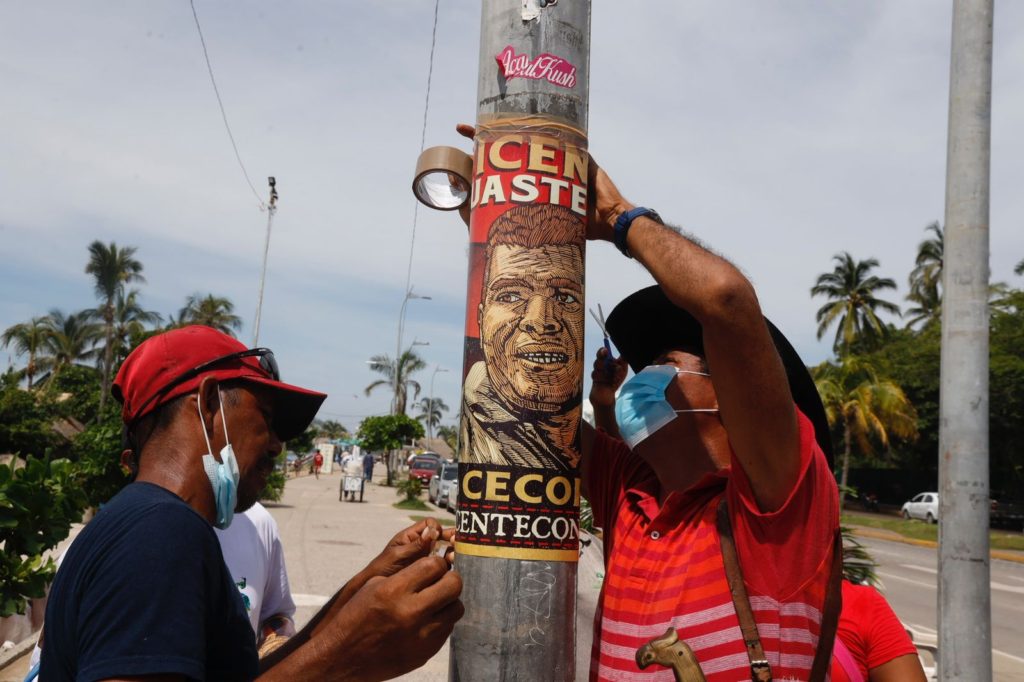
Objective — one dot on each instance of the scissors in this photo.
(599, 318)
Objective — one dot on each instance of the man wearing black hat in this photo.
(721, 454)
(144, 593)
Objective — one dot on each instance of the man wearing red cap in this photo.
(144, 593)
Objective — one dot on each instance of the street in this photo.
(327, 541)
(909, 576)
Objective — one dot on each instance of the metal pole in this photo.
(517, 521)
(271, 210)
(398, 346)
(964, 598)
(430, 412)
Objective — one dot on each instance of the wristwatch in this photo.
(625, 220)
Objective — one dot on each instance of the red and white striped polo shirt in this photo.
(664, 565)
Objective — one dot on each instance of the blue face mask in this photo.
(641, 408)
(223, 475)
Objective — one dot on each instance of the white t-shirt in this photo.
(252, 551)
(251, 546)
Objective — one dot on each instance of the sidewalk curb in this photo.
(20, 649)
(896, 537)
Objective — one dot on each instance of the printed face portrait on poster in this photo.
(524, 348)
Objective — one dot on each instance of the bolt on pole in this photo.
(518, 509)
(964, 597)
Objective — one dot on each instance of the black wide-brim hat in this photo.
(646, 324)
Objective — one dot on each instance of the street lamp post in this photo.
(430, 410)
(409, 295)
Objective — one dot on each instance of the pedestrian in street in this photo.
(352, 470)
(368, 467)
(318, 461)
(144, 590)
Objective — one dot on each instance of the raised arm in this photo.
(606, 377)
(748, 376)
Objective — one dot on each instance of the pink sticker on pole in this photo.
(545, 66)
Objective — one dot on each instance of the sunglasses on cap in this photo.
(267, 363)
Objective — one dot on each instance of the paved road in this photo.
(909, 574)
(326, 542)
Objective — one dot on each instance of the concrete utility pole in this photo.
(965, 617)
(518, 529)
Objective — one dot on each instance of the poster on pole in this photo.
(522, 384)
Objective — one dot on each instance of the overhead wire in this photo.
(223, 113)
(423, 141)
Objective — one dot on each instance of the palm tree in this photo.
(1018, 269)
(928, 264)
(925, 279)
(130, 322)
(70, 340)
(408, 363)
(431, 412)
(28, 338)
(928, 304)
(449, 434)
(112, 268)
(212, 311)
(332, 429)
(852, 291)
(869, 408)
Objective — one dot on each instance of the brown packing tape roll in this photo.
(442, 160)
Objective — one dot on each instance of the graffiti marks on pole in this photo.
(517, 513)
(545, 66)
(535, 595)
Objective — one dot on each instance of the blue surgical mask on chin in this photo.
(641, 408)
(223, 475)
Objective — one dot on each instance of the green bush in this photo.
(96, 452)
(38, 504)
(410, 487)
(25, 420)
(274, 488)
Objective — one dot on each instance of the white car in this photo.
(447, 475)
(924, 506)
(453, 497)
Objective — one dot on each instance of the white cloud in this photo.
(778, 133)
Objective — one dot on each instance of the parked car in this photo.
(1008, 514)
(923, 506)
(453, 497)
(424, 467)
(446, 476)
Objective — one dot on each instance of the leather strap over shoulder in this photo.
(830, 614)
(760, 669)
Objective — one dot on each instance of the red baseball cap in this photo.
(173, 364)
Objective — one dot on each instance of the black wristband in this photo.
(625, 221)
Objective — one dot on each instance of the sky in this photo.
(778, 133)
